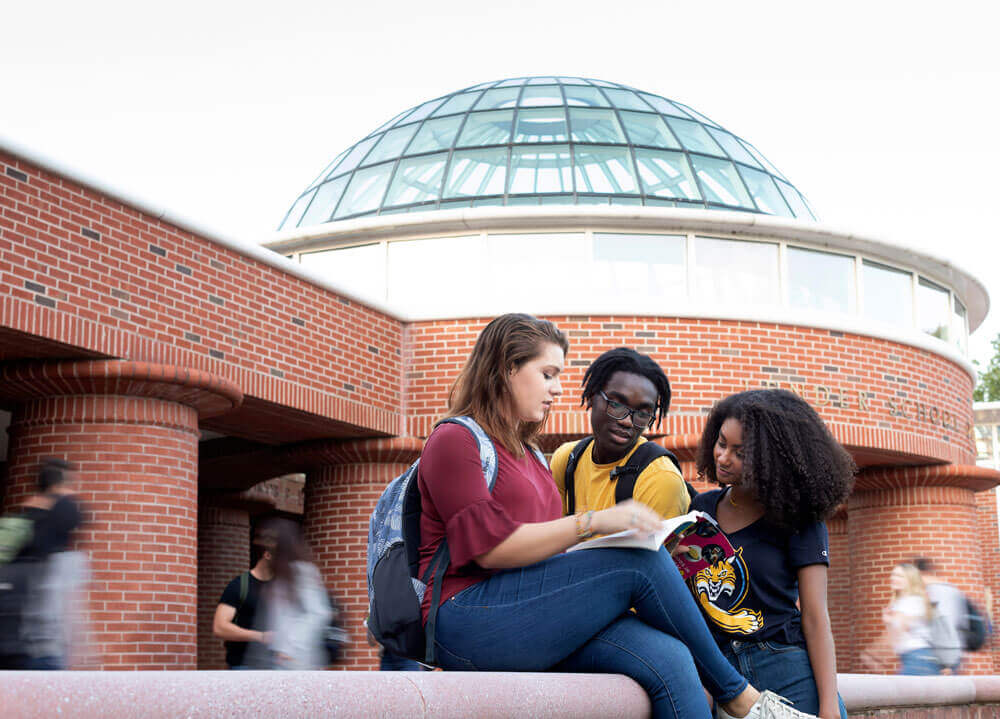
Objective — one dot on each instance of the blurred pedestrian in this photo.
(44, 615)
(908, 621)
(297, 606)
(236, 616)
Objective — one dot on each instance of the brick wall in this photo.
(137, 460)
(874, 393)
(223, 553)
(82, 269)
(339, 501)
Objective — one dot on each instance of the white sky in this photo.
(885, 114)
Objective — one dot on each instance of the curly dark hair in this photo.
(791, 462)
(626, 359)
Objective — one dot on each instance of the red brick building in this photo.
(180, 369)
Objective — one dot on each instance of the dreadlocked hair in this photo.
(626, 359)
(791, 462)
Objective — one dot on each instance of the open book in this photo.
(695, 530)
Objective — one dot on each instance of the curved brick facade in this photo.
(161, 337)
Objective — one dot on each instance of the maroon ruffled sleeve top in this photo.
(456, 503)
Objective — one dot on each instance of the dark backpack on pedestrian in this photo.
(16, 574)
(395, 587)
(624, 476)
(976, 630)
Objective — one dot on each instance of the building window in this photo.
(359, 269)
(933, 309)
(821, 281)
(960, 326)
(652, 266)
(888, 294)
(736, 272)
(437, 275)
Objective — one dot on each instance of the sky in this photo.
(886, 115)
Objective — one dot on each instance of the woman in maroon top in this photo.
(511, 599)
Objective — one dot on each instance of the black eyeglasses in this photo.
(617, 410)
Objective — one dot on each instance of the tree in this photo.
(988, 387)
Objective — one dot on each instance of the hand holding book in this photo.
(697, 531)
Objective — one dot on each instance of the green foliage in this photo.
(988, 387)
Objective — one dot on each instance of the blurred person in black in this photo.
(241, 608)
(44, 614)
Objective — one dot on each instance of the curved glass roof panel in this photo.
(546, 140)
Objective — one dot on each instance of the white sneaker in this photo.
(769, 706)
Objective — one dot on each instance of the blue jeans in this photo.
(919, 662)
(394, 663)
(570, 613)
(783, 668)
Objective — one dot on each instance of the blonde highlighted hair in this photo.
(915, 586)
(482, 390)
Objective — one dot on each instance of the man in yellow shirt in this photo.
(625, 392)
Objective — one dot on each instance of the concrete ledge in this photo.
(442, 695)
(306, 695)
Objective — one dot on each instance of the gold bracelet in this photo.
(585, 532)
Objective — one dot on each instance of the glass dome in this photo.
(546, 140)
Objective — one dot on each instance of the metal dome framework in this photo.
(546, 140)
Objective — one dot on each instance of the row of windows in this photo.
(485, 271)
(547, 170)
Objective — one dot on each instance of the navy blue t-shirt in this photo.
(753, 596)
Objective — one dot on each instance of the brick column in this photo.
(342, 487)
(838, 593)
(132, 429)
(895, 515)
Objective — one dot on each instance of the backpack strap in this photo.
(569, 488)
(627, 475)
(442, 557)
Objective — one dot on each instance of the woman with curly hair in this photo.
(782, 473)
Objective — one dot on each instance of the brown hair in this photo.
(482, 390)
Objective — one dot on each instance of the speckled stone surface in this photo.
(870, 691)
(155, 695)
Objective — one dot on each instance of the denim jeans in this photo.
(570, 613)
(394, 663)
(919, 662)
(783, 668)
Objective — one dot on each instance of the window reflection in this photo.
(477, 172)
(295, 214)
(435, 135)
(540, 169)
(984, 442)
(888, 294)
(595, 126)
(365, 191)
(543, 266)
(391, 145)
(458, 103)
(541, 126)
(626, 100)
(960, 326)
(666, 174)
(764, 192)
(585, 95)
(327, 196)
(541, 96)
(640, 265)
(646, 129)
(486, 128)
(604, 169)
(933, 311)
(417, 179)
(735, 272)
(694, 137)
(720, 182)
(416, 265)
(821, 281)
(359, 269)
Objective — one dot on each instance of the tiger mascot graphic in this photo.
(721, 587)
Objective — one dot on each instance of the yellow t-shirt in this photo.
(659, 486)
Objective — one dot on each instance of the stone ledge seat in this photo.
(443, 695)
